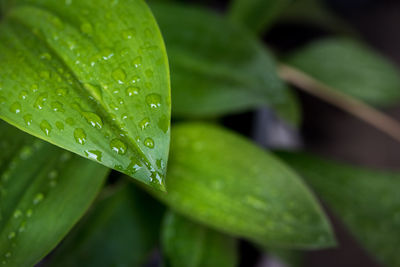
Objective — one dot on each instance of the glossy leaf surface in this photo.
(186, 243)
(121, 230)
(44, 190)
(351, 68)
(222, 180)
(256, 15)
(367, 201)
(91, 77)
(217, 67)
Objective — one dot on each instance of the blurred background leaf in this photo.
(219, 68)
(350, 67)
(97, 87)
(122, 229)
(224, 181)
(43, 192)
(366, 200)
(186, 243)
(256, 15)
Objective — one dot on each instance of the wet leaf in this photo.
(219, 68)
(366, 200)
(351, 68)
(256, 15)
(90, 77)
(119, 231)
(186, 243)
(44, 190)
(222, 180)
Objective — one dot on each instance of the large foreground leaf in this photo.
(351, 68)
(217, 67)
(257, 15)
(186, 243)
(91, 77)
(222, 180)
(43, 192)
(368, 201)
(121, 230)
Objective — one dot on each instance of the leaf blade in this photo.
(210, 181)
(98, 89)
(42, 186)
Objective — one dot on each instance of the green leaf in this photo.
(351, 68)
(186, 243)
(222, 180)
(257, 15)
(367, 201)
(119, 231)
(43, 192)
(90, 77)
(218, 68)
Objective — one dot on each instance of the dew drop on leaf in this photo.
(86, 28)
(153, 100)
(130, 91)
(23, 95)
(137, 62)
(80, 136)
(118, 146)
(28, 119)
(38, 198)
(143, 124)
(149, 142)
(60, 125)
(94, 154)
(46, 127)
(93, 119)
(119, 75)
(15, 107)
(57, 106)
(40, 101)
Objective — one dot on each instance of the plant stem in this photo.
(368, 114)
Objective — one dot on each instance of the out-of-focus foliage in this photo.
(366, 200)
(186, 243)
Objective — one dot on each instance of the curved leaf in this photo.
(368, 201)
(351, 68)
(220, 179)
(218, 67)
(43, 193)
(119, 231)
(91, 77)
(257, 15)
(186, 243)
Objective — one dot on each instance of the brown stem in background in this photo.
(349, 104)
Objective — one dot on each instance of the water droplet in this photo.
(46, 56)
(149, 142)
(80, 136)
(23, 95)
(17, 214)
(11, 235)
(149, 73)
(134, 166)
(93, 119)
(94, 154)
(15, 107)
(3, 100)
(8, 255)
(137, 62)
(86, 28)
(143, 124)
(61, 91)
(60, 125)
(28, 119)
(118, 146)
(94, 90)
(153, 100)
(135, 79)
(163, 123)
(38, 198)
(119, 75)
(53, 174)
(128, 34)
(34, 88)
(130, 91)
(160, 164)
(40, 101)
(57, 106)
(46, 127)
(23, 224)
